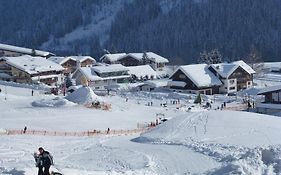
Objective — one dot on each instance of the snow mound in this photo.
(56, 102)
(83, 95)
(223, 127)
(246, 143)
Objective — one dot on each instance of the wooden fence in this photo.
(79, 134)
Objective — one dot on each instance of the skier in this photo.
(43, 160)
(32, 92)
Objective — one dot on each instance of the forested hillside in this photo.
(178, 30)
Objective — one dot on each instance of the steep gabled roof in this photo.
(137, 56)
(60, 60)
(110, 68)
(89, 73)
(141, 71)
(112, 57)
(156, 58)
(200, 75)
(33, 65)
(245, 66)
(82, 58)
(225, 69)
(25, 50)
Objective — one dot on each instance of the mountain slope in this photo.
(178, 30)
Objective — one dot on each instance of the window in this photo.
(231, 81)
(232, 88)
(249, 83)
(182, 76)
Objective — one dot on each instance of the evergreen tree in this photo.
(198, 99)
(68, 81)
(214, 57)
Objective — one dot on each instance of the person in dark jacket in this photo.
(44, 160)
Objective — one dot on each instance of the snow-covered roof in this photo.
(200, 75)
(24, 50)
(81, 58)
(150, 55)
(141, 71)
(269, 89)
(225, 69)
(137, 56)
(60, 60)
(157, 82)
(112, 57)
(177, 83)
(89, 73)
(110, 68)
(33, 65)
(156, 58)
(245, 66)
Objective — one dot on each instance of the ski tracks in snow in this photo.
(11, 157)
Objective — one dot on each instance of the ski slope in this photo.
(198, 142)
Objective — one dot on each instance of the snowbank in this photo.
(247, 143)
(56, 102)
(83, 95)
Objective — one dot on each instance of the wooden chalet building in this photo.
(101, 77)
(71, 63)
(272, 100)
(14, 51)
(111, 58)
(28, 69)
(68, 63)
(157, 62)
(272, 94)
(234, 76)
(83, 61)
(132, 59)
(195, 78)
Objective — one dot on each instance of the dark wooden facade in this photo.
(269, 97)
(180, 76)
(70, 66)
(242, 77)
(129, 61)
(87, 62)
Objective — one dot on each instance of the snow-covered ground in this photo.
(192, 141)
